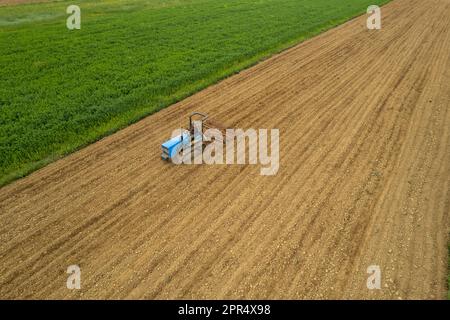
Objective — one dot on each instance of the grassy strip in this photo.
(61, 90)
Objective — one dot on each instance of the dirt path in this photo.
(364, 179)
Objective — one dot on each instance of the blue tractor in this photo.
(173, 147)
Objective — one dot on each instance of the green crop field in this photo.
(61, 89)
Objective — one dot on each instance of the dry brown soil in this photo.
(364, 179)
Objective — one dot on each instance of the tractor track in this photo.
(364, 179)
